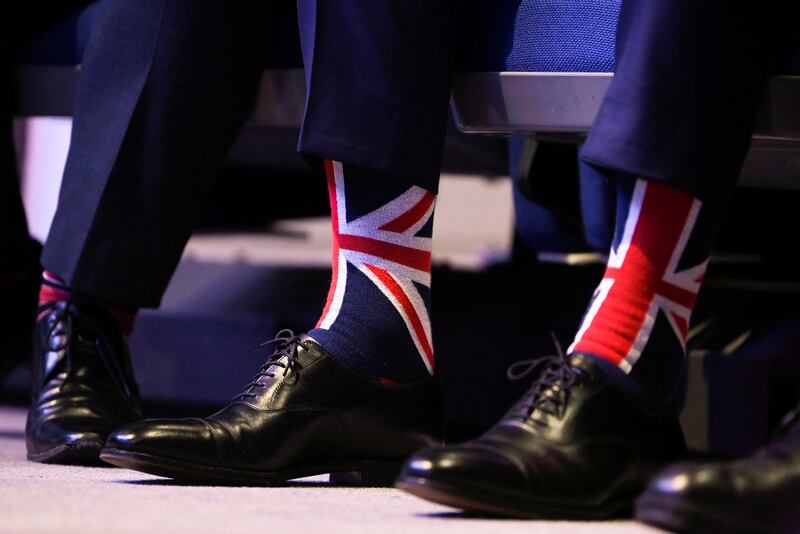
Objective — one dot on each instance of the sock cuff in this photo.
(53, 280)
(53, 289)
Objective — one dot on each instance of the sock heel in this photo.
(374, 474)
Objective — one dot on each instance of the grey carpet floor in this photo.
(44, 498)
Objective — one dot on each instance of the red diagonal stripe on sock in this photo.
(679, 295)
(335, 225)
(412, 216)
(683, 326)
(408, 308)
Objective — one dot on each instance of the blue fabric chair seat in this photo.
(546, 36)
(507, 35)
(537, 35)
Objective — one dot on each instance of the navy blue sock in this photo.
(377, 317)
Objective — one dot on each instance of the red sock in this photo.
(650, 286)
(54, 289)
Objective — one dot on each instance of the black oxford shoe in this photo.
(758, 494)
(303, 414)
(573, 447)
(83, 386)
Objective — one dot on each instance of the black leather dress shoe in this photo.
(573, 447)
(753, 495)
(303, 414)
(83, 386)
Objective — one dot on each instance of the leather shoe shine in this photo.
(573, 447)
(303, 414)
(752, 495)
(83, 385)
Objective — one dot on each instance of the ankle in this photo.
(54, 289)
(366, 361)
(633, 389)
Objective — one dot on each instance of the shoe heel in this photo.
(374, 474)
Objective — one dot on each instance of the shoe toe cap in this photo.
(188, 439)
(731, 493)
(69, 447)
(85, 438)
(73, 429)
(705, 483)
(470, 465)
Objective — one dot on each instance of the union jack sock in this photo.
(638, 319)
(377, 316)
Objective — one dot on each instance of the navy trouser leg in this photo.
(166, 85)
(688, 79)
(378, 77)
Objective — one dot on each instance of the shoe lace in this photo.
(62, 326)
(549, 393)
(284, 347)
(57, 318)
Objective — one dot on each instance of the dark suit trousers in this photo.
(168, 83)
(166, 86)
(378, 79)
(688, 79)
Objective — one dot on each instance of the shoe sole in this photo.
(482, 501)
(685, 518)
(363, 473)
(80, 452)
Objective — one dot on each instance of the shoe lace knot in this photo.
(284, 356)
(549, 393)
